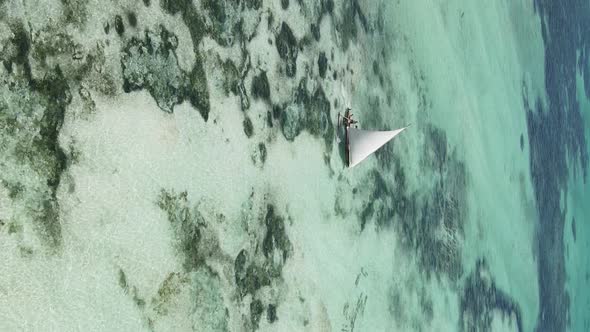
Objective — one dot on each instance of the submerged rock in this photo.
(253, 4)
(119, 27)
(291, 121)
(197, 92)
(269, 119)
(328, 6)
(190, 16)
(227, 23)
(315, 31)
(132, 19)
(223, 20)
(248, 127)
(244, 99)
(262, 151)
(151, 64)
(231, 77)
(319, 122)
(256, 310)
(276, 238)
(271, 313)
(322, 64)
(240, 268)
(251, 278)
(277, 112)
(260, 86)
(288, 49)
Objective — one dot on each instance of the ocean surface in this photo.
(173, 165)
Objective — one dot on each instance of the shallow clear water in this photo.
(173, 165)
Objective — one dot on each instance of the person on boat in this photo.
(348, 120)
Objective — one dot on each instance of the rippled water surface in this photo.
(173, 165)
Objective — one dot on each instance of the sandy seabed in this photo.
(172, 165)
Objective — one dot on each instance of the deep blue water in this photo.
(556, 138)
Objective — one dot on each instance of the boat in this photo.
(362, 143)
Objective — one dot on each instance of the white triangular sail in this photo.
(362, 143)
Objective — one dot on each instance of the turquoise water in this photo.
(173, 166)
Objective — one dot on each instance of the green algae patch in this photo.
(231, 77)
(431, 221)
(271, 313)
(170, 288)
(189, 225)
(288, 48)
(310, 112)
(347, 26)
(322, 64)
(275, 239)
(32, 112)
(130, 290)
(197, 91)
(256, 310)
(15, 53)
(75, 12)
(119, 25)
(260, 87)
(132, 19)
(249, 277)
(436, 225)
(259, 155)
(199, 246)
(481, 299)
(191, 17)
(261, 267)
(150, 63)
(255, 269)
(209, 311)
(248, 127)
(262, 151)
